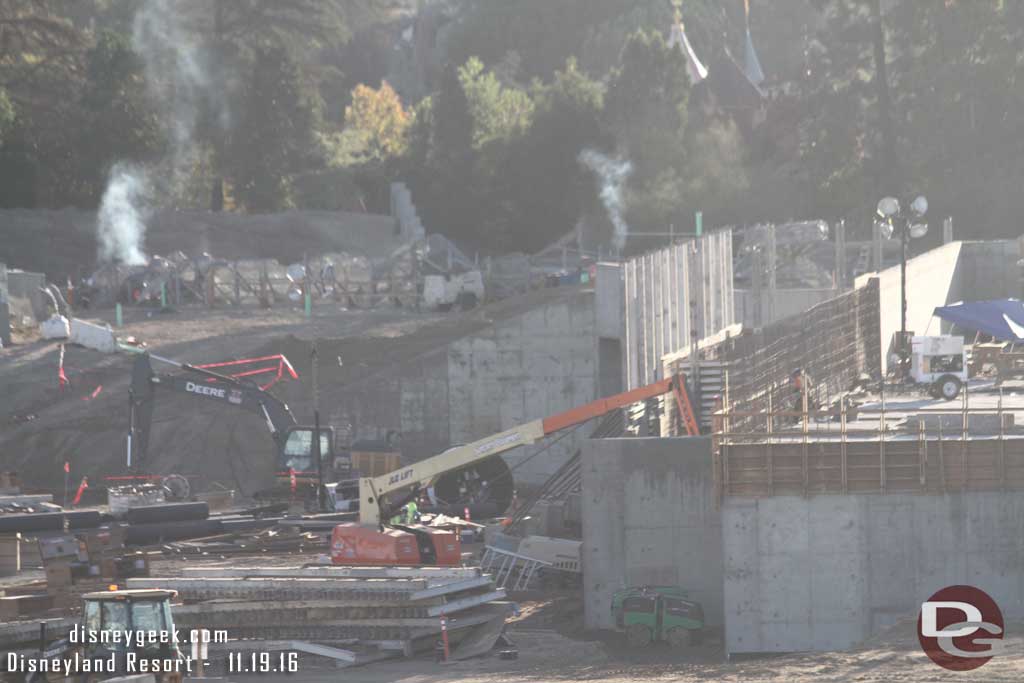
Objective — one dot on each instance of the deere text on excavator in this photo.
(298, 473)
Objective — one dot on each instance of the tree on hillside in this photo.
(121, 122)
(960, 108)
(464, 142)
(40, 52)
(645, 109)
(499, 112)
(379, 121)
(275, 135)
(542, 32)
(41, 60)
(839, 132)
(548, 189)
(646, 103)
(229, 37)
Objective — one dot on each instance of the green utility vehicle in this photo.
(658, 613)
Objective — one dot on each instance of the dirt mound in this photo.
(86, 425)
(41, 428)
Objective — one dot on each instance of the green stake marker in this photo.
(118, 316)
(699, 217)
(309, 305)
(163, 296)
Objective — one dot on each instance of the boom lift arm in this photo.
(373, 506)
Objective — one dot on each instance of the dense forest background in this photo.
(485, 106)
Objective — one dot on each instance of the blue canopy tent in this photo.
(1003, 319)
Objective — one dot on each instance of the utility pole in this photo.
(317, 455)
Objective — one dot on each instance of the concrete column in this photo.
(771, 281)
(5, 324)
(876, 248)
(840, 244)
(757, 287)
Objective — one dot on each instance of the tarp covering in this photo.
(1001, 318)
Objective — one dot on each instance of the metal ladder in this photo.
(510, 571)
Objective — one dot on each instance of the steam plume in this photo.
(178, 78)
(122, 219)
(612, 174)
(177, 75)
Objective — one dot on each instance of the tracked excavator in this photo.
(372, 541)
(297, 472)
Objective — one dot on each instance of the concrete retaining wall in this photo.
(520, 369)
(824, 573)
(649, 517)
(761, 308)
(932, 280)
(493, 372)
(989, 270)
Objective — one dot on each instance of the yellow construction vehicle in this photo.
(380, 497)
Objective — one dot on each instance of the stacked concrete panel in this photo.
(674, 297)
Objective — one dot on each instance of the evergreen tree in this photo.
(275, 134)
(121, 122)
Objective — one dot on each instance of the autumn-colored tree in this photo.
(380, 121)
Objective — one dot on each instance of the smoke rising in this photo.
(122, 218)
(178, 74)
(612, 174)
(178, 78)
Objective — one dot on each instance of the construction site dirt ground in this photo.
(553, 646)
(547, 655)
(42, 427)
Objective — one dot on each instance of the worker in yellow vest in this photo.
(411, 512)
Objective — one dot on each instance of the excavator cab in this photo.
(296, 457)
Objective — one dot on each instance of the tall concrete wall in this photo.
(933, 279)
(989, 270)
(649, 517)
(824, 573)
(476, 374)
(520, 369)
(755, 308)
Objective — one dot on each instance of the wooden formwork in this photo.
(806, 461)
(819, 467)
